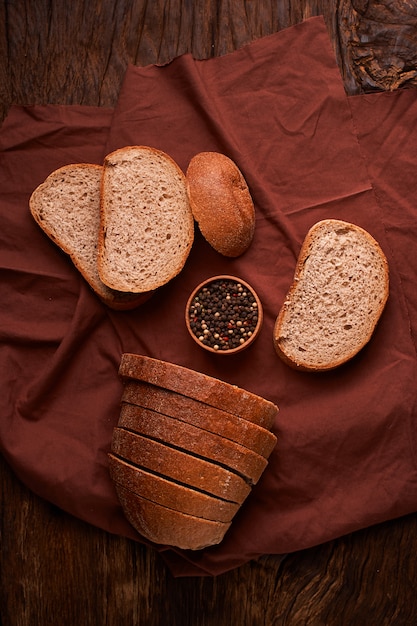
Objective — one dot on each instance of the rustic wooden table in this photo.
(56, 570)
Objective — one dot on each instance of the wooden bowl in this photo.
(224, 315)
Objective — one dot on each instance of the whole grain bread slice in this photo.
(169, 493)
(199, 386)
(338, 294)
(166, 526)
(67, 208)
(201, 415)
(191, 439)
(171, 463)
(147, 227)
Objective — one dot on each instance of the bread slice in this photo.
(191, 439)
(214, 392)
(166, 526)
(201, 415)
(177, 465)
(339, 291)
(221, 203)
(169, 493)
(67, 208)
(147, 227)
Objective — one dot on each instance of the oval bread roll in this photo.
(221, 203)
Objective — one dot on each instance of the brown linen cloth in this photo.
(345, 457)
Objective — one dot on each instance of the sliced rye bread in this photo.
(339, 291)
(166, 526)
(67, 208)
(185, 468)
(169, 493)
(147, 227)
(212, 391)
(240, 430)
(191, 439)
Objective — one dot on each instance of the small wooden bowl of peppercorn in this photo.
(224, 315)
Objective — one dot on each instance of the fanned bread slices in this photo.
(169, 526)
(213, 392)
(246, 433)
(340, 289)
(190, 438)
(147, 227)
(176, 464)
(182, 464)
(67, 207)
(169, 493)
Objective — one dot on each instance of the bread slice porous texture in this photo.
(221, 203)
(67, 208)
(147, 227)
(339, 291)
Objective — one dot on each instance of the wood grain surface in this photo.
(58, 571)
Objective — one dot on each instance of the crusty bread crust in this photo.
(212, 391)
(165, 526)
(191, 439)
(180, 466)
(170, 493)
(146, 225)
(242, 431)
(67, 208)
(221, 203)
(338, 294)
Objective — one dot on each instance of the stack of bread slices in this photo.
(187, 451)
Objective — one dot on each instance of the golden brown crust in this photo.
(166, 526)
(180, 466)
(170, 493)
(221, 203)
(240, 430)
(193, 440)
(214, 392)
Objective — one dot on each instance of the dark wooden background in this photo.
(58, 571)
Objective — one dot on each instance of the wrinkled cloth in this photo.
(346, 452)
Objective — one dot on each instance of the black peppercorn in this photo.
(223, 315)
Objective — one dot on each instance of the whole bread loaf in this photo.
(167, 526)
(170, 494)
(147, 227)
(338, 294)
(221, 203)
(212, 391)
(189, 438)
(177, 465)
(67, 208)
(242, 431)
